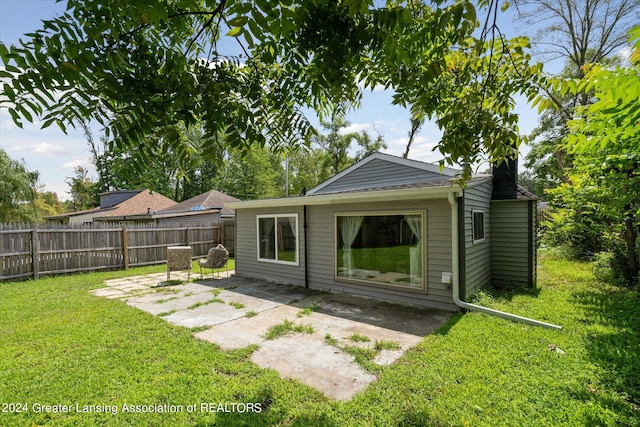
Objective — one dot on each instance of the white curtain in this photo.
(349, 228)
(415, 224)
(267, 225)
(293, 225)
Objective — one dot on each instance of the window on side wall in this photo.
(477, 225)
(278, 238)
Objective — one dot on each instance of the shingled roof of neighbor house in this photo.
(212, 199)
(145, 201)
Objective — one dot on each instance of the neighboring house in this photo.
(395, 229)
(119, 206)
(205, 208)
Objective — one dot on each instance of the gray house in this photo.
(395, 229)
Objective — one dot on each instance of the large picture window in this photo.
(278, 238)
(386, 249)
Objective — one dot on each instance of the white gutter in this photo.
(456, 280)
(391, 195)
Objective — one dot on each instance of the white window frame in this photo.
(473, 226)
(259, 241)
(423, 260)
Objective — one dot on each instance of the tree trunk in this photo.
(630, 236)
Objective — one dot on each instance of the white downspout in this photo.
(456, 279)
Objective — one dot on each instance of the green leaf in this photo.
(235, 32)
(16, 117)
(238, 21)
(4, 53)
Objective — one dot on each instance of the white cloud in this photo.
(47, 148)
(625, 53)
(354, 128)
(421, 149)
(85, 163)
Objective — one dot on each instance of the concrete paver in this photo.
(237, 312)
(247, 330)
(308, 359)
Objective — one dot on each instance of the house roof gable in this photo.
(382, 170)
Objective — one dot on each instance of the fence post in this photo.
(221, 233)
(125, 249)
(188, 239)
(35, 262)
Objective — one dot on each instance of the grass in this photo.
(162, 301)
(384, 260)
(307, 310)
(237, 305)
(359, 338)
(386, 345)
(285, 328)
(201, 303)
(330, 340)
(167, 313)
(363, 356)
(61, 345)
(251, 313)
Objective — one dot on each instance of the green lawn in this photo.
(59, 345)
(384, 260)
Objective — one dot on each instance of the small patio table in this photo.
(178, 258)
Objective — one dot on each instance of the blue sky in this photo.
(55, 154)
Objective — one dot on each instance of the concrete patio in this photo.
(233, 313)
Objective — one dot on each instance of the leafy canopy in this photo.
(606, 134)
(17, 190)
(136, 67)
(605, 140)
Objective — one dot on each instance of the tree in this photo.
(580, 33)
(137, 67)
(336, 144)
(304, 173)
(47, 203)
(254, 175)
(177, 175)
(84, 192)
(200, 176)
(98, 157)
(548, 161)
(17, 190)
(605, 140)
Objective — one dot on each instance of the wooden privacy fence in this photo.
(43, 249)
(228, 231)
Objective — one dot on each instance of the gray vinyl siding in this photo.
(321, 252)
(246, 258)
(510, 248)
(438, 253)
(380, 173)
(477, 254)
